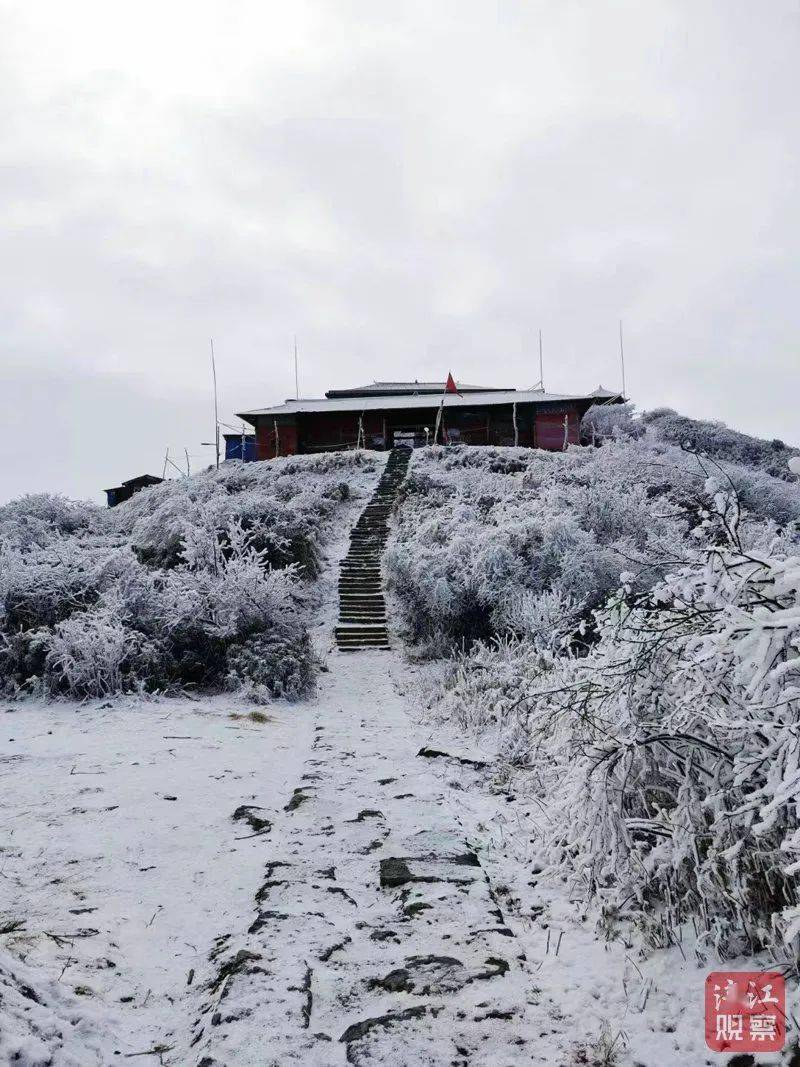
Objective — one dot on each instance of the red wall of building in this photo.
(338, 429)
(550, 429)
(335, 430)
(266, 445)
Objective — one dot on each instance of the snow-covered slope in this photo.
(625, 623)
(531, 853)
(204, 582)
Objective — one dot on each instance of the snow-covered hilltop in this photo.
(523, 834)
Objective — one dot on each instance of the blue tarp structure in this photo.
(233, 447)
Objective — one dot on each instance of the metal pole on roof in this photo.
(622, 359)
(296, 378)
(216, 404)
(541, 365)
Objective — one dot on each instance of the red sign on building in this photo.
(745, 1011)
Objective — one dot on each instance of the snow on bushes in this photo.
(716, 440)
(480, 528)
(37, 518)
(667, 758)
(635, 655)
(482, 531)
(203, 582)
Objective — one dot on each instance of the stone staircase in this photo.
(362, 609)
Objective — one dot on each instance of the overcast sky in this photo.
(410, 187)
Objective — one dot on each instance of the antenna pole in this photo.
(296, 378)
(541, 365)
(622, 358)
(188, 466)
(216, 405)
(166, 461)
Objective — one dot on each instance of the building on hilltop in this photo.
(386, 415)
(121, 493)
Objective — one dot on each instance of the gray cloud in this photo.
(410, 188)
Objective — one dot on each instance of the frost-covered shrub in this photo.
(275, 664)
(543, 619)
(608, 422)
(202, 582)
(716, 440)
(45, 585)
(667, 753)
(283, 505)
(91, 654)
(39, 518)
(478, 529)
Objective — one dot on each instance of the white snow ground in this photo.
(123, 892)
(119, 855)
(387, 912)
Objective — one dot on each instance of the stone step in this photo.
(361, 648)
(383, 647)
(363, 642)
(362, 607)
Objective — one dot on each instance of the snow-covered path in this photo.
(375, 936)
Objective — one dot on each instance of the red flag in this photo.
(450, 387)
